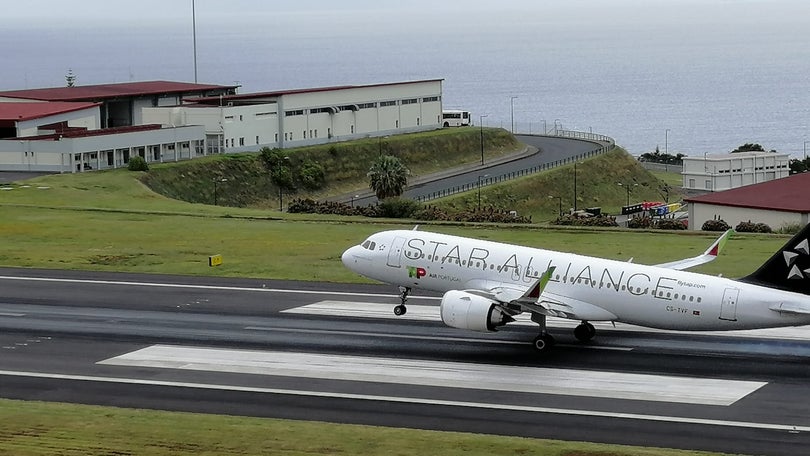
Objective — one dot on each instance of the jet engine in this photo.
(464, 310)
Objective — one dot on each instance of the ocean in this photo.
(685, 76)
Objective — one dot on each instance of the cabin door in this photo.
(728, 309)
(395, 251)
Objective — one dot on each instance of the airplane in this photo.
(485, 284)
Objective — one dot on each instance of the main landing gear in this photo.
(403, 296)
(544, 341)
(584, 332)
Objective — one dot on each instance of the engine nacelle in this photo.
(464, 310)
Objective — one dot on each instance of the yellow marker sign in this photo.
(215, 260)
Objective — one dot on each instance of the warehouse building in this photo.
(294, 118)
(73, 129)
(722, 172)
(777, 202)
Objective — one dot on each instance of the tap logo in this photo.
(791, 258)
(417, 272)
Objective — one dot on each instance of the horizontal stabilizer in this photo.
(709, 255)
(791, 308)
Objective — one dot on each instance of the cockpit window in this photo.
(365, 244)
(373, 246)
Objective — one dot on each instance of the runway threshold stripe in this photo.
(447, 374)
(418, 401)
(212, 287)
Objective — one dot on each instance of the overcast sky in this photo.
(33, 12)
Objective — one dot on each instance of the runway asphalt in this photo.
(254, 347)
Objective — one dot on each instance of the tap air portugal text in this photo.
(486, 283)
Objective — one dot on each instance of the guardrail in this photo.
(484, 181)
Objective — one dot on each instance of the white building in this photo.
(723, 172)
(294, 118)
(776, 203)
(73, 129)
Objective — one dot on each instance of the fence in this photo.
(609, 145)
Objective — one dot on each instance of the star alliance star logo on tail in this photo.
(414, 271)
(791, 258)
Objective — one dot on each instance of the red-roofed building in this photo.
(776, 202)
(121, 103)
(34, 118)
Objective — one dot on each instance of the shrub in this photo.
(640, 222)
(137, 163)
(669, 224)
(750, 227)
(311, 175)
(572, 220)
(398, 208)
(715, 225)
(790, 228)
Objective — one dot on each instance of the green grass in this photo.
(674, 180)
(597, 179)
(346, 165)
(46, 429)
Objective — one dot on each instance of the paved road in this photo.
(138, 340)
(550, 149)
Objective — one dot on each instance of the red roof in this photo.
(788, 194)
(111, 91)
(81, 133)
(278, 93)
(15, 112)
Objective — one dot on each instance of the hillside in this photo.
(246, 182)
(597, 186)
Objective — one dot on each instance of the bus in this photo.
(455, 118)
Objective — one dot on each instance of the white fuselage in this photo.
(636, 294)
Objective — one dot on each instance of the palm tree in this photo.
(388, 177)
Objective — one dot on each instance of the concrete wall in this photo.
(723, 172)
(313, 117)
(102, 151)
(699, 213)
(89, 118)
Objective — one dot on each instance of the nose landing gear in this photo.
(403, 296)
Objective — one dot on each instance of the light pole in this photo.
(353, 197)
(560, 200)
(512, 106)
(805, 150)
(479, 190)
(281, 186)
(216, 181)
(555, 126)
(666, 141)
(481, 124)
(575, 180)
(626, 187)
(545, 130)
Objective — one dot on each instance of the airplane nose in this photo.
(347, 257)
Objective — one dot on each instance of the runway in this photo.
(331, 352)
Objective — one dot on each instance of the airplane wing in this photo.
(707, 256)
(536, 300)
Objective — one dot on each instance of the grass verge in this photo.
(40, 429)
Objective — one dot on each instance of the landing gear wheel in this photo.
(584, 332)
(403, 296)
(543, 343)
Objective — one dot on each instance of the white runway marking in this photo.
(412, 400)
(431, 313)
(569, 382)
(211, 287)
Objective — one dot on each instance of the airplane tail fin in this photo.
(789, 268)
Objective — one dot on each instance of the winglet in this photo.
(719, 244)
(709, 255)
(535, 291)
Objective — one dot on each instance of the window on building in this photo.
(396, 124)
(242, 141)
(410, 101)
(257, 140)
(295, 112)
(430, 99)
(708, 184)
(316, 132)
(351, 129)
(240, 117)
(388, 103)
(275, 137)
